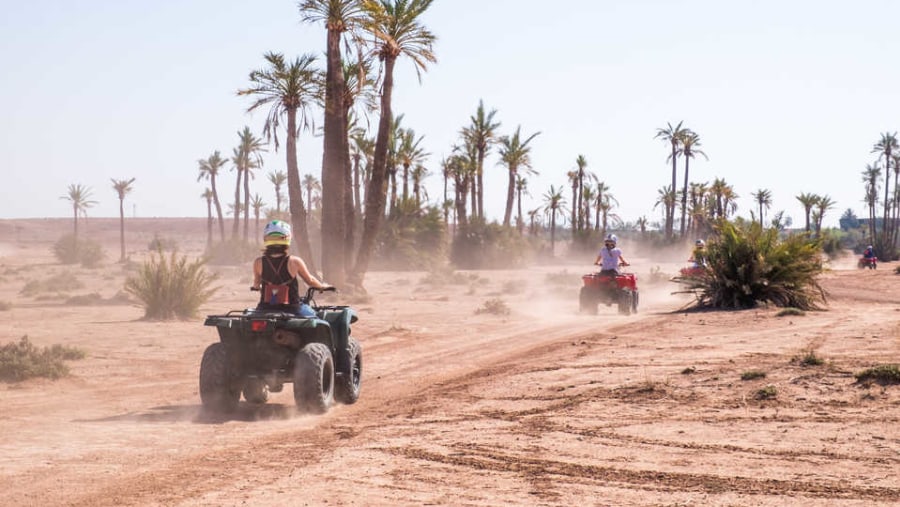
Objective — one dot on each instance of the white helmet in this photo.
(611, 238)
(277, 232)
(700, 242)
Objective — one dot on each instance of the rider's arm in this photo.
(622, 260)
(599, 260)
(298, 268)
(257, 273)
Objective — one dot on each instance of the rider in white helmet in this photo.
(610, 257)
(275, 273)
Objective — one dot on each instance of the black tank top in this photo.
(276, 278)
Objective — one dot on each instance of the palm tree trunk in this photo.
(580, 202)
(122, 229)
(472, 183)
(519, 223)
(212, 186)
(405, 181)
(670, 207)
(574, 208)
(295, 194)
(349, 205)
(246, 205)
(209, 224)
(237, 204)
(375, 192)
(552, 231)
(684, 192)
(510, 194)
(334, 153)
(357, 203)
(462, 185)
(444, 202)
(480, 186)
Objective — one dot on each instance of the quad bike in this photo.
(259, 351)
(620, 290)
(867, 262)
(694, 270)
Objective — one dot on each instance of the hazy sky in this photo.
(788, 96)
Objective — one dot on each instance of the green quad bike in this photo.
(259, 351)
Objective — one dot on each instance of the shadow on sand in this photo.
(246, 412)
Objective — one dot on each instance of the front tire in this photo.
(347, 385)
(217, 390)
(314, 379)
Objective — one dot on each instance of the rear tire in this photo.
(587, 302)
(347, 385)
(217, 387)
(634, 302)
(314, 379)
(625, 302)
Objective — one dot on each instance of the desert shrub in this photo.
(412, 237)
(444, 275)
(766, 393)
(22, 360)
(809, 358)
(897, 270)
(883, 374)
(231, 252)
(753, 375)
(71, 250)
(514, 286)
(481, 245)
(657, 276)
(54, 285)
(834, 242)
(494, 307)
(170, 286)
(749, 265)
(159, 243)
(790, 312)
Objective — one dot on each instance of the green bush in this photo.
(71, 250)
(481, 245)
(751, 265)
(23, 360)
(753, 375)
(171, 287)
(494, 307)
(883, 374)
(412, 238)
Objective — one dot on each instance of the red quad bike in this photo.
(694, 270)
(620, 289)
(867, 262)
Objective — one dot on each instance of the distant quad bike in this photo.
(867, 262)
(693, 270)
(620, 290)
(259, 351)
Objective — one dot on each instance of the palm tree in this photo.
(581, 163)
(396, 26)
(288, 88)
(532, 216)
(763, 198)
(361, 150)
(871, 176)
(690, 141)
(808, 201)
(409, 154)
(673, 136)
(419, 173)
(277, 179)
(554, 202)
(887, 145)
(587, 197)
(642, 225)
(247, 158)
(665, 197)
(257, 204)
(80, 197)
(122, 188)
(209, 169)
(825, 203)
(208, 195)
(573, 182)
(339, 16)
(482, 132)
(516, 154)
(310, 185)
(599, 192)
(521, 187)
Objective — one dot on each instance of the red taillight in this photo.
(258, 325)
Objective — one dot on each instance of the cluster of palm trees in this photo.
(684, 143)
(79, 196)
(887, 149)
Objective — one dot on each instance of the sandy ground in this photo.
(540, 407)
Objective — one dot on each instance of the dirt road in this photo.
(541, 407)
